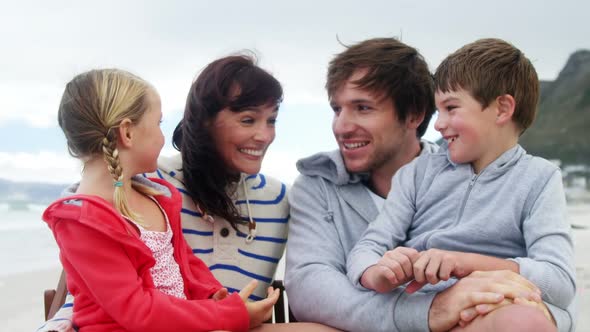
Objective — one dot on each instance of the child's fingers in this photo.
(407, 256)
(270, 300)
(446, 268)
(432, 269)
(399, 264)
(387, 273)
(419, 268)
(414, 286)
(220, 294)
(248, 289)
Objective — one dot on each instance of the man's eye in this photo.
(336, 109)
(361, 107)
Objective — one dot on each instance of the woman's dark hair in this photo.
(234, 82)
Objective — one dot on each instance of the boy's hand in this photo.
(259, 311)
(391, 271)
(435, 265)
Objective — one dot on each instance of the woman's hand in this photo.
(259, 311)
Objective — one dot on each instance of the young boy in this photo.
(480, 203)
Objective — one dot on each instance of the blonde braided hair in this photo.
(93, 104)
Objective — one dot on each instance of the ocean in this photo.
(26, 243)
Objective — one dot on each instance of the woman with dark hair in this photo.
(233, 217)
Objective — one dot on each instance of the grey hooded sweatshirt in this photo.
(330, 209)
(513, 209)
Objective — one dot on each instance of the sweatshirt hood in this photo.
(89, 208)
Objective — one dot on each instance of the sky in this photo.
(46, 43)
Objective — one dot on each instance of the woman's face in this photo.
(241, 138)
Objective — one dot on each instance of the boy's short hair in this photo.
(489, 68)
(394, 70)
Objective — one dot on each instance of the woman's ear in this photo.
(505, 110)
(125, 131)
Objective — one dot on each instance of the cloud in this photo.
(44, 166)
(168, 43)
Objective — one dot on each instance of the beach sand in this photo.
(21, 299)
(21, 295)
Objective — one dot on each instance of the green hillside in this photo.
(562, 128)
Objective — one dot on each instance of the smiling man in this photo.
(382, 95)
(381, 92)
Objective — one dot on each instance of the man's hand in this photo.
(391, 271)
(489, 287)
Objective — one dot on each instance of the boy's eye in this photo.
(247, 120)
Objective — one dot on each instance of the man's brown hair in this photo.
(394, 70)
(489, 68)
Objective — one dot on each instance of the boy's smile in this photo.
(467, 127)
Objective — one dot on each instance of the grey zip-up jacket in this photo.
(515, 208)
(330, 209)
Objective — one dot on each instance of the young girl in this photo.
(127, 263)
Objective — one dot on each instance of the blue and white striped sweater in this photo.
(232, 260)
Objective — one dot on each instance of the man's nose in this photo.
(343, 122)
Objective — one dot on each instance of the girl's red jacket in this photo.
(108, 272)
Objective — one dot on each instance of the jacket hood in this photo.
(330, 165)
(87, 209)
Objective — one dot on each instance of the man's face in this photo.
(366, 127)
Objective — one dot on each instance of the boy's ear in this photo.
(125, 131)
(505, 110)
(414, 120)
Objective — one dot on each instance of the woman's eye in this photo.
(247, 120)
(272, 121)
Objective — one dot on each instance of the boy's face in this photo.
(468, 128)
(366, 127)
